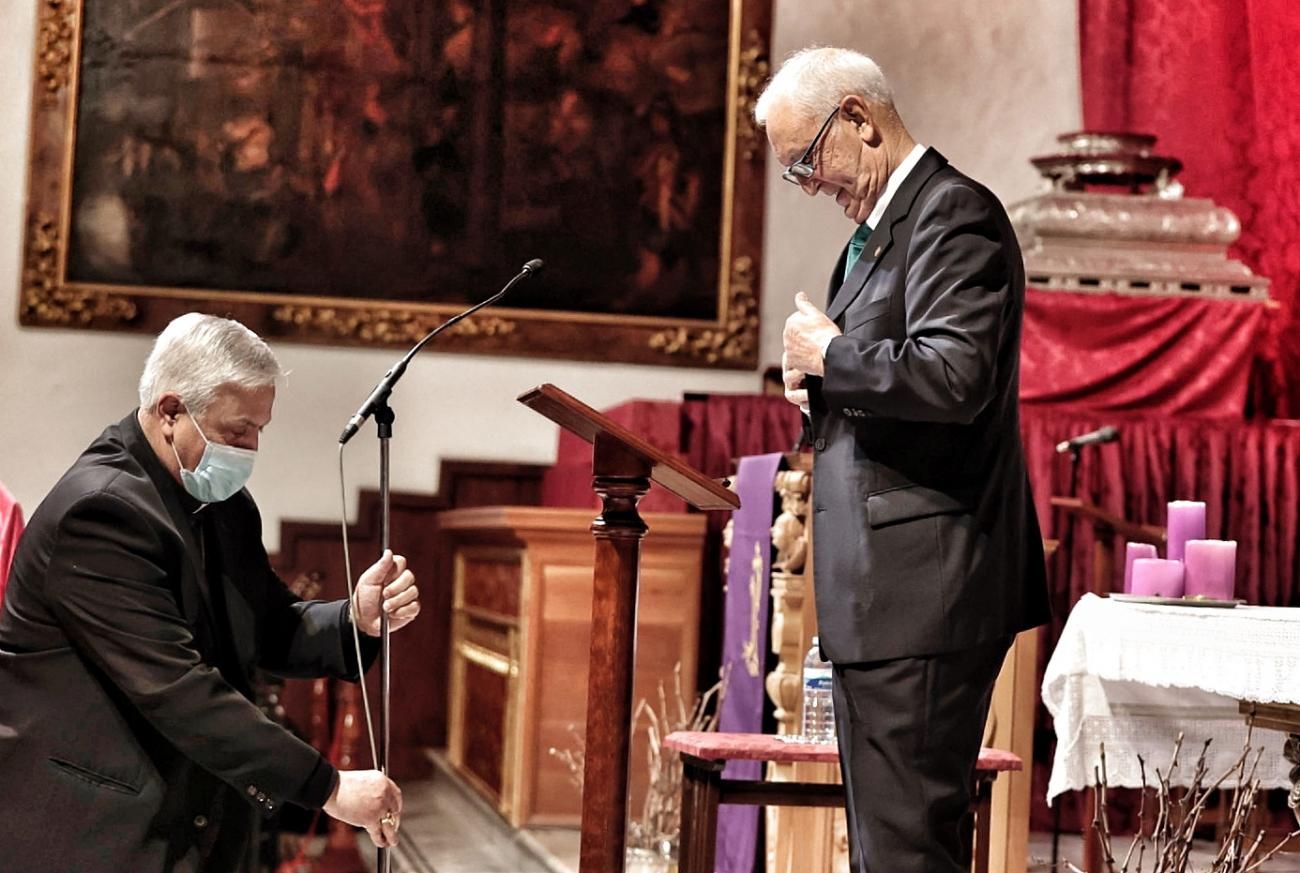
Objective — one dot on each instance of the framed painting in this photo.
(357, 172)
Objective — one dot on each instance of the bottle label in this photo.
(818, 682)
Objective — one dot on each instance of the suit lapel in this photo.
(837, 277)
(882, 238)
(194, 576)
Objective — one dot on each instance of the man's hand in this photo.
(794, 381)
(368, 799)
(807, 332)
(388, 581)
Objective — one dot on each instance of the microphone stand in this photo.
(384, 427)
(377, 405)
(1066, 547)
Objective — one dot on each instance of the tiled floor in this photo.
(446, 828)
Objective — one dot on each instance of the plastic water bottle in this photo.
(818, 707)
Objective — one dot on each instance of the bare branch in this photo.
(1178, 813)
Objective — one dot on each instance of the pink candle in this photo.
(1133, 551)
(1210, 569)
(1186, 521)
(1157, 577)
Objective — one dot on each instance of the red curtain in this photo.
(1248, 474)
(11, 527)
(718, 429)
(1158, 355)
(568, 482)
(711, 431)
(1217, 81)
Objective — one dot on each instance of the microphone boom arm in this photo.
(379, 396)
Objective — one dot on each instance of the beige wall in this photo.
(988, 84)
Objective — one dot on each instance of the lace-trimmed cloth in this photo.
(1134, 676)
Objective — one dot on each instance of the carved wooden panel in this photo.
(487, 695)
(553, 636)
(496, 582)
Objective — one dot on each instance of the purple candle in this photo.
(1157, 577)
(1210, 569)
(1186, 521)
(1133, 551)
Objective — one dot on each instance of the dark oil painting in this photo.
(404, 150)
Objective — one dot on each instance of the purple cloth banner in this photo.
(744, 647)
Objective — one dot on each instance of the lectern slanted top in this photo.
(666, 470)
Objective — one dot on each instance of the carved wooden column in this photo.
(791, 585)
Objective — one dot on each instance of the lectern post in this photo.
(621, 478)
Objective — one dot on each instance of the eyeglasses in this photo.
(802, 170)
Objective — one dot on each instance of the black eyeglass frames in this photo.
(804, 168)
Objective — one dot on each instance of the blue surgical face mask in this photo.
(220, 473)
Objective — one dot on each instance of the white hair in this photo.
(814, 80)
(197, 354)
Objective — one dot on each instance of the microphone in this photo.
(379, 396)
(1107, 434)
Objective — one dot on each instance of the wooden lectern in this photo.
(623, 466)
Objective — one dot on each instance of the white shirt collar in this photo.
(894, 183)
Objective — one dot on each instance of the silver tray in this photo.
(1176, 601)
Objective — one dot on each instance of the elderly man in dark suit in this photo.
(139, 603)
(927, 551)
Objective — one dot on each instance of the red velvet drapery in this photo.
(1149, 354)
(11, 527)
(1248, 474)
(1217, 81)
(719, 428)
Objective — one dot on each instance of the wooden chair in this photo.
(706, 753)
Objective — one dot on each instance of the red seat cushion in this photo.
(715, 746)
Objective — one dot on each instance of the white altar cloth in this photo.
(1135, 675)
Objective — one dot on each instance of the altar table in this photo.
(1135, 676)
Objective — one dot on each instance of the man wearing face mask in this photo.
(139, 603)
(927, 550)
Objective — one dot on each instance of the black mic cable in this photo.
(385, 386)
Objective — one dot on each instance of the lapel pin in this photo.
(879, 249)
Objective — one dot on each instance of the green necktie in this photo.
(856, 245)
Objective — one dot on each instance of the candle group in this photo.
(1193, 566)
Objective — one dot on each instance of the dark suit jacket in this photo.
(925, 537)
(127, 738)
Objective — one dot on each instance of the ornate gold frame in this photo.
(48, 299)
